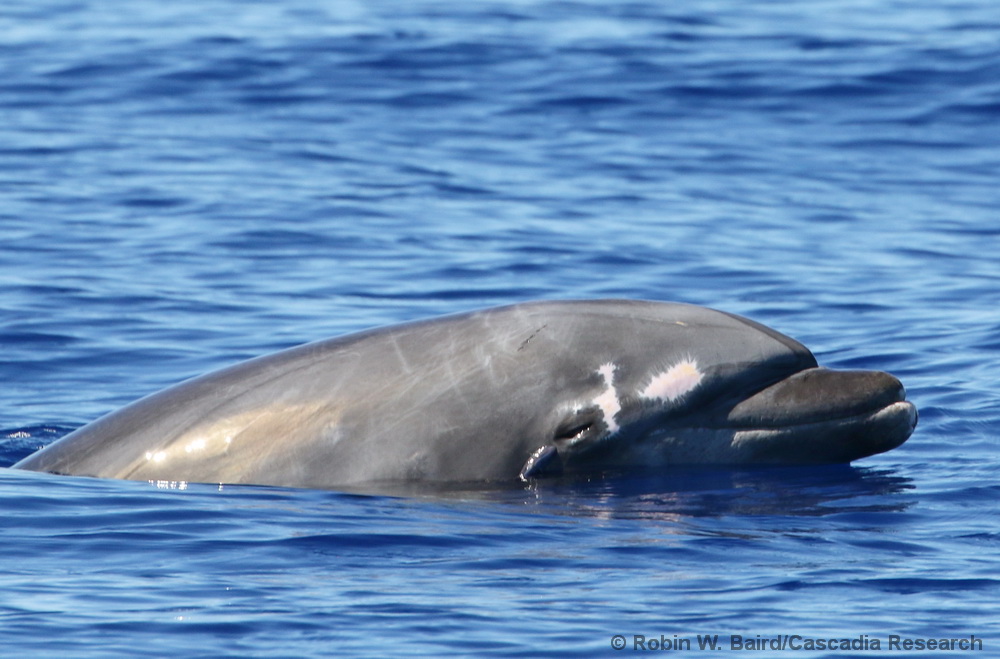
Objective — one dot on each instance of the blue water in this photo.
(187, 184)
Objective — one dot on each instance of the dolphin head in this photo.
(542, 387)
(709, 387)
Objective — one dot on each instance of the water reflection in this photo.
(671, 495)
(688, 492)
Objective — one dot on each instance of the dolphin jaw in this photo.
(814, 416)
(834, 440)
(816, 395)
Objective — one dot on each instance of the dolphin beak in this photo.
(821, 415)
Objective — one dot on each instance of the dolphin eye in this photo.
(570, 431)
(576, 425)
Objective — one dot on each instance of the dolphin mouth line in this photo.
(816, 396)
(856, 416)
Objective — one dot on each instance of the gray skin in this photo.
(528, 391)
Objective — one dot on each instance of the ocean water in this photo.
(184, 185)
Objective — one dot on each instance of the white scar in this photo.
(673, 383)
(608, 401)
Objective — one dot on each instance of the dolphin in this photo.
(525, 391)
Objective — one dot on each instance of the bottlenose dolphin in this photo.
(523, 391)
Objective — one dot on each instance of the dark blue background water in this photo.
(190, 183)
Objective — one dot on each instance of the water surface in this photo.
(187, 185)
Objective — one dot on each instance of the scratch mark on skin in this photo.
(608, 401)
(533, 335)
(679, 379)
(403, 361)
